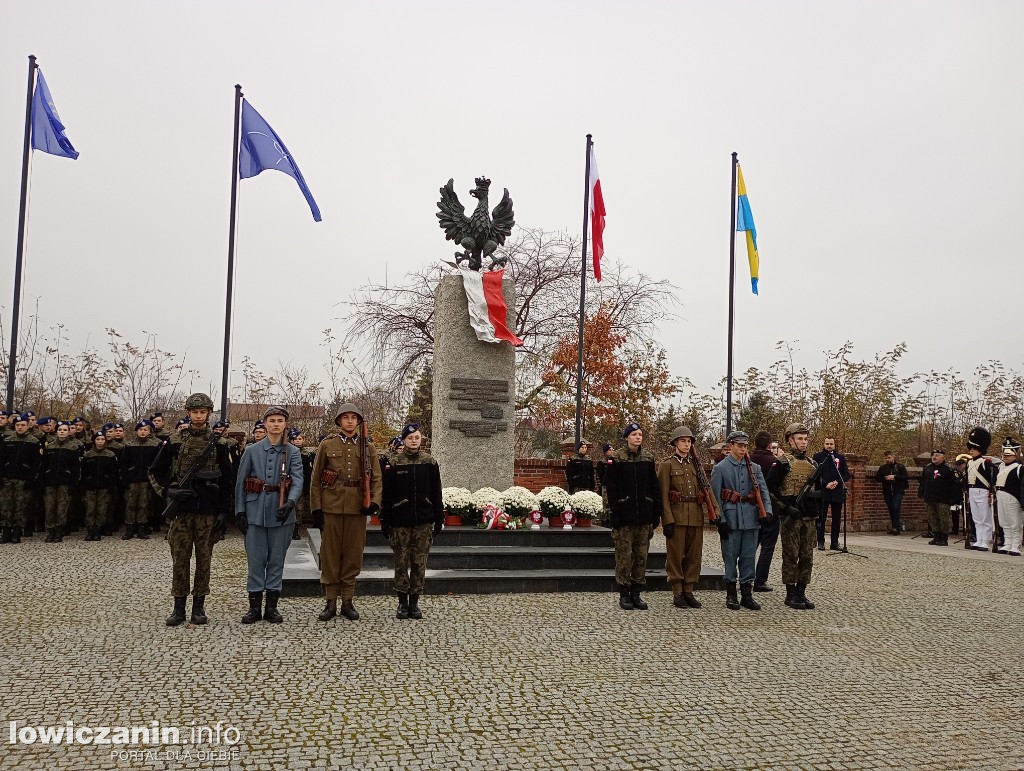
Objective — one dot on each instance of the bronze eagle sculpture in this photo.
(478, 234)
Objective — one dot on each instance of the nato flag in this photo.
(47, 130)
(261, 148)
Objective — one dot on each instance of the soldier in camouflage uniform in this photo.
(197, 503)
(100, 477)
(220, 428)
(633, 495)
(59, 474)
(19, 466)
(787, 477)
(5, 428)
(137, 456)
(411, 515)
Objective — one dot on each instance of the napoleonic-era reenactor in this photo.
(742, 494)
(411, 515)
(19, 467)
(101, 475)
(579, 469)
(59, 474)
(268, 486)
(795, 496)
(137, 456)
(297, 438)
(940, 488)
(1008, 495)
(981, 482)
(633, 497)
(682, 519)
(192, 470)
(345, 490)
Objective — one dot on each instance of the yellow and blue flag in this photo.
(745, 221)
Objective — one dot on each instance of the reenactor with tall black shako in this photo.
(682, 519)
(411, 515)
(59, 474)
(19, 467)
(1008, 495)
(296, 437)
(193, 471)
(137, 456)
(786, 481)
(981, 484)
(634, 499)
(940, 488)
(101, 475)
(337, 497)
(579, 469)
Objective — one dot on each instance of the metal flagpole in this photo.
(583, 293)
(732, 288)
(20, 254)
(231, 257)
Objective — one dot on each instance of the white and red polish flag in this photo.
(596, 215)
(487, 310)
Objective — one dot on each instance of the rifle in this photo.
(282, 485)
(171, 512)
(364, 462)
(812, 480)
(762, 515)
(995, 521)
(705, 488)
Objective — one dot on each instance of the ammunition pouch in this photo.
(328, 477)
(731, 496)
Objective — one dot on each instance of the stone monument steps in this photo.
(511, 558)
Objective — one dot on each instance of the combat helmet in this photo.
(198, 401)
(680, 432)
(796, 428)
(347, 407)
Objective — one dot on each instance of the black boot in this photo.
(255, 608)
(625, 601)
(5, 535)
(178, 614)
(801, 590)
(690, 600)
(97, 534)
(821, 544)
(934, 541)
(793, 598)
(49, 536)
(403, 605)
(679, 602)
(295, 533)
(943, 540)
(143, 532)
(28, 531)
(638, 601)
(330, 611)
(762, 588)
(834, 546)
(348, 610)
(16, 535)
(128, 533)
(748, 600)
(198, 613)
(271, 614)
(414, 606)
(58, 534)
(730, 597)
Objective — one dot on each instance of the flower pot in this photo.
(452, 520)
(555, 521)
(581, 522)
(374, 520)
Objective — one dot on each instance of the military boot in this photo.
(330, 611)
(625, 601)
(97, 534)
(58, 534)
(49, 536)
(348, 610)
(934, 541)
(271, 614)
(762, 587)
(255, 608)
(28, 531)
(178, 614)
(690, 600)
(679, 602)
(834, 546)
(5, 535)
(821, 544)
(638, 601)
(943, 540)
(129, 533)
(748, 600)
(198, 612)
(414, 606)
(793, 597)
(801, 590)
(403, 605)
(16, 535)
(730, 596)
(143, 532)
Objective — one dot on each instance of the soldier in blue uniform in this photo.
(267, 469)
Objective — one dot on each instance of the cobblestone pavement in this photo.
(910, 660)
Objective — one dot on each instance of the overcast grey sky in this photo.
(880, 143)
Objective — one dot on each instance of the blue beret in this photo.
(23, 418)
(118, 425)
(605, 447)
(156, 415)
(107, 426)
(294, 433)
(409, 428)
(29, 413)
(181, 422)
(45, 420)
(630, 429)
(222, 424)
(5, 413)
(97, 435)
(78, 419)
(580, 443)
(143, 424)
(259, 424)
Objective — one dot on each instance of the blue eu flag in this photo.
(47, 130)
(261, 148)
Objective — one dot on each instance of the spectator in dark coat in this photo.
(834, 476)
(768, 535)
(893, 477)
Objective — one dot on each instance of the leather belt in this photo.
(675, 497)
(271, 488)
(349, 482)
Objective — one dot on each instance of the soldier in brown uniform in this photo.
(336, 497)
(682, 519)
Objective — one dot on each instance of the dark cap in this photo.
(630, 429)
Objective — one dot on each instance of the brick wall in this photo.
(537, 473)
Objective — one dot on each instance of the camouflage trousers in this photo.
(938, 517)
(187, 533)
(302, 510)
(97, 508)
(15, 500)
(411, 546)
(799, 536)
(631, 553)
(136, 503)
(57, 500)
